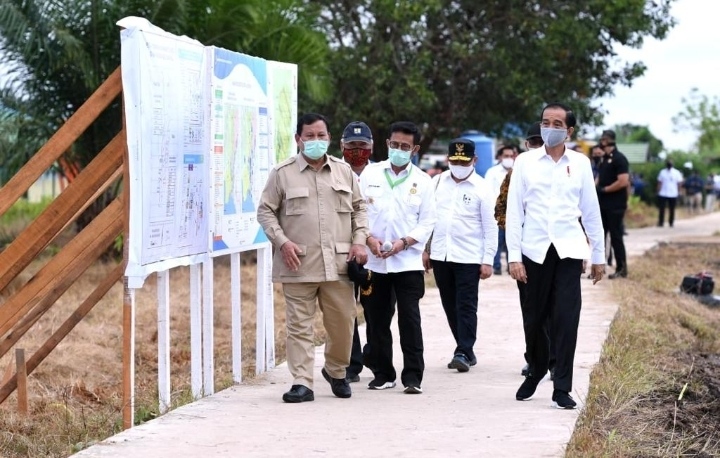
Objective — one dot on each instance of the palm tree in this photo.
(56, 53)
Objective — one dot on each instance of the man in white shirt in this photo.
(463, 246)
(401, 214)
(551, 188)
(494, 176)
(668, 188)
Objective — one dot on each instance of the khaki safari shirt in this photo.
(321, 211)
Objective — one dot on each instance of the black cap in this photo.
(461, 149)
(358, 274)
(357, 131)
(610, 134)
(533, 131)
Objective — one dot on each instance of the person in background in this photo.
(693, 190)
(462, 247)
(401, 213)
(668, 188)
(710, 196)
(356, 145)
(310, 260)
(612, 188)
(494, 176)
(551, 188)
(596, 158)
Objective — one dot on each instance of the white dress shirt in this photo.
(669, 182)
(398, 206)
(466, 231)
(495, 176)
(545, 201)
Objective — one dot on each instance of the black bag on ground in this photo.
(700, 284)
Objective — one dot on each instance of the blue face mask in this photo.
(315, 149)
(553, 137)
(398, 157)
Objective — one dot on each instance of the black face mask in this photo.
(668, 165)
(596, 159)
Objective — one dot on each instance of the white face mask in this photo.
(460, 171)
(508, 162)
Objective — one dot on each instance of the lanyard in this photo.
(397, 182)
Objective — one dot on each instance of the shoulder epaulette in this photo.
(286, 162)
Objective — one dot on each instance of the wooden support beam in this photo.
(31, 241)
(82, 250)
(68, 325)
(61, 141)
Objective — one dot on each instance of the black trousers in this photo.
(612, 221)
(409, 288)
(670, 203)
(552, 290)
(458, 285)
(360, 355)
(522, 288)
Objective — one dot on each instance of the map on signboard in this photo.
(242, 154)
(282, 80)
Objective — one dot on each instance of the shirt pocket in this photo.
(344, 198)
(297, 201)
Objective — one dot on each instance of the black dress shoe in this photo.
(299, 393)
(622, 273)
(340, 386)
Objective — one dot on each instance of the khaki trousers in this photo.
(336, 301)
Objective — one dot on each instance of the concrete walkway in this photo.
(472, 414)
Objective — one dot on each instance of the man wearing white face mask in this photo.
(463, 246)
(495, 176)
(314, 214)
(401, 214)
(551, 188)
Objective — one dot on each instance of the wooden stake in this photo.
(21, 381)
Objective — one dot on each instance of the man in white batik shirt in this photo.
(463, 246)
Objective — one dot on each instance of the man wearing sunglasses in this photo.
(401, 216)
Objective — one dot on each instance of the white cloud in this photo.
(687, 58)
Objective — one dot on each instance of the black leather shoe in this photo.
(340, 386)
(299, 393)
(622, 273)
(460, 362)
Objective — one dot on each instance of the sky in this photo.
(688, 57)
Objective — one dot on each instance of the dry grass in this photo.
(76, 393)
(661, 344)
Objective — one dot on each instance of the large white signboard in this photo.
(204, 126)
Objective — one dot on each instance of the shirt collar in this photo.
(303, 164)
(388, 166)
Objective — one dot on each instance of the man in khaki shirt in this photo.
(313, 213)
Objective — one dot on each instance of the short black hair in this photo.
(406, 127)
(310, 118)
(570, 119)
(500, 150)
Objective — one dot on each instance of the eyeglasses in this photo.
(402, 146)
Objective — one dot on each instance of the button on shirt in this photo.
(398, 206)
(466, 231)
(545, 201)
